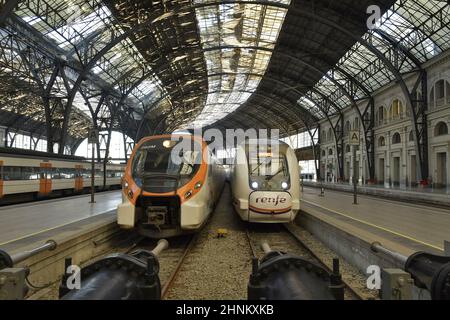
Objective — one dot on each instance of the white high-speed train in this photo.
(265, 182)
(168, 191)
(27, 175)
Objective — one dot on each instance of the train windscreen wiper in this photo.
(268, 178)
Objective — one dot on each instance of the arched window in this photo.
(441, 129)
(411, 136)
(347, 127)
(381, 142)
(356, 124)
(396, 138)
(323, 153)
(440, 93)
(381, 114)
(330, 152)
(347, 148)
(396, 109)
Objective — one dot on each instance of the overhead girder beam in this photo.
(281, 82)
(7, 9)
(399, 46)
(212, 75)
(45, 89)
(272, 100)
(287, 55)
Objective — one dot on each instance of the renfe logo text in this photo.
(271, 200)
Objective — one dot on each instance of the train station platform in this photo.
(25, 225)
(404, 227)
(423, 195)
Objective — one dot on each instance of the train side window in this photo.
(55, 174)
(19, 173)
(27, 173)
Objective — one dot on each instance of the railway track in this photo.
(172, 260)
(282, 238)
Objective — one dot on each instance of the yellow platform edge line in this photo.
(376, 226)
(42, 231)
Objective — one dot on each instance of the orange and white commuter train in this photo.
(265, 182)
(168, 190)
(29, 175)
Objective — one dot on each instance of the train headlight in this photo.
(125, 185)
(130, 194)
(255, 185)
(198, 185)
(188, 194)
(284, 185)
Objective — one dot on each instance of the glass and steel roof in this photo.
(157, 66)
(413, 30)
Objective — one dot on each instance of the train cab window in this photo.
(157, 168)
(267, 170)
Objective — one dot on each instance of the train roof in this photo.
(6, 151)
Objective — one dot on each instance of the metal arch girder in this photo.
(349, 77)
(263, 121)
(338, 138)
(397, 45)
(258, 94)
(165, 117)
(7, 10)
(287, 85)
(338, 135)
(275, 102)
(316, 153)
(296, 59)
(162, 98)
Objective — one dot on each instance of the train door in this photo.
(1, 179)
(78, 178)
(45, 181)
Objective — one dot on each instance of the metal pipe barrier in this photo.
(429, 271)
(8, 261)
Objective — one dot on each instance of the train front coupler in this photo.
(282, 276)
(119, 276)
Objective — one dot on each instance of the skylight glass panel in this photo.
(239, 38)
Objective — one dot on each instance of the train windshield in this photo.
(156, 167)
(268, 171)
